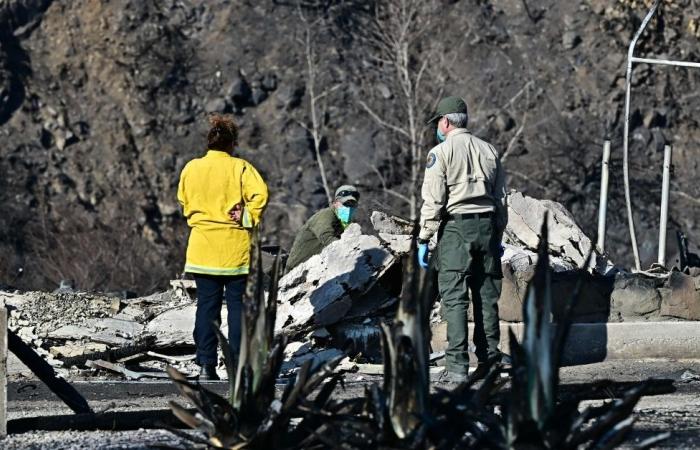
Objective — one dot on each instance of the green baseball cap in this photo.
(449, 105)
(347, 193)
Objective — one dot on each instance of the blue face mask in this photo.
(345, 213)
(440, 136)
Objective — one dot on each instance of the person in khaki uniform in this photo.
(464, 203)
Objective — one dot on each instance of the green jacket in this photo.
(320, 230)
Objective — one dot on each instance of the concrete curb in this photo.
(596, 342)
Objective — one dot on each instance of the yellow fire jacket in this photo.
(209, 187)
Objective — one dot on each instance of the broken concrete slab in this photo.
(118, 327)
(134, 313)
(390, 225)
(297, 353)
(399, 244)
(378, 369)
(634, 296)
(321, 290)
(109, 339)
(566, 239)
(70, 332)
(680, 299)
(127, 373)
(595, 342)
(175, 326)
(72, 349)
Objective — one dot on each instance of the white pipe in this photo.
(666, 62)
(603, 209)
(664, 205)
(625, 138)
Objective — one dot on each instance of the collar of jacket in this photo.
(457, 131)
(217, 154)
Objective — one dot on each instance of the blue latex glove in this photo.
(423, 255)
(501, 250)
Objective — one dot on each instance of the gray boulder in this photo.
(323, 289)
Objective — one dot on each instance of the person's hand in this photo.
(236, 213)
(423, 254)
(501, 250)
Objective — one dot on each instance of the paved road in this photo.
(678, 412)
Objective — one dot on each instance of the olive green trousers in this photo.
(469, 266)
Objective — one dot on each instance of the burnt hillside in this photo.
(103, 102)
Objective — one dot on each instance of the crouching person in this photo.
(324, 227)
(223, 198)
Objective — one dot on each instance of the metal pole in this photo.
(603, 209)
(664, 205)
(667, 62)
(3, 370)
(625, 138)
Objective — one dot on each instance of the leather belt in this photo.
(482, 215)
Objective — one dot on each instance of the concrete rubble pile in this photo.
(568, 245)
(333, 303)
(77, 330)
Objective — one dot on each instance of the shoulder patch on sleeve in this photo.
(431, 160)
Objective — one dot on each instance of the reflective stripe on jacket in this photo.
(209, 188)
(462, 175)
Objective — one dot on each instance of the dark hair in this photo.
(223, 133)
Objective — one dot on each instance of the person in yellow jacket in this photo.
(223, 198)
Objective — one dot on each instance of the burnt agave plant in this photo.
(252, 416)
(397, 414)
(535, 417)
(405, 346)
(526, 413)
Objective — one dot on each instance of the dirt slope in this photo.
(102, 103)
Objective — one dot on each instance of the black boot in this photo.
(208, 373)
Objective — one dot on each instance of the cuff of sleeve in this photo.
(425, 235)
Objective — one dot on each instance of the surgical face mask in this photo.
(345, 213)
(439, 135)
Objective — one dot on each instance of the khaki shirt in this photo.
(462, 175)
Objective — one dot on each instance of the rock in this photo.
(384, 91)
(258, 96)
(290, 96)
(239, 92)
(321, 290)
(654, 118)
(504, 122)
(570, 40)
(217, 105)
(681, 299)
(269, 81)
